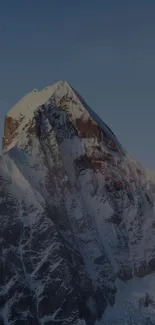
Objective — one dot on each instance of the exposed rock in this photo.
(10, 126)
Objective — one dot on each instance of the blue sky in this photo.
(105, 49)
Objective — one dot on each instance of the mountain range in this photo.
(77, 218)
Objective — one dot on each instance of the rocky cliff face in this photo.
(77, 219)
(10, 126)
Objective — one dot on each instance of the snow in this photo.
(20, 185)
(129, 307)
(27, 105)
(150, 174)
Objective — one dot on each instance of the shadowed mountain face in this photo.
(77, 221)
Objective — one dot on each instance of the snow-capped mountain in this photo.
(77, 219)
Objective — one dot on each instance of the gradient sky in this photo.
(104, 48)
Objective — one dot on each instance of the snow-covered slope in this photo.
(77, 223)
(31, 101)
(150, 175)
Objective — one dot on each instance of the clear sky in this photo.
(104, 48)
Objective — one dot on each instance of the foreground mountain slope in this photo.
(77, 218)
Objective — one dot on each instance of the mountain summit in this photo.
(77, 220)
(64, 94)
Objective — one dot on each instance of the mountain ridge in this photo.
(80, 212)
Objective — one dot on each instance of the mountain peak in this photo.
(60, 99)
(23, 110)
(27, 104)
